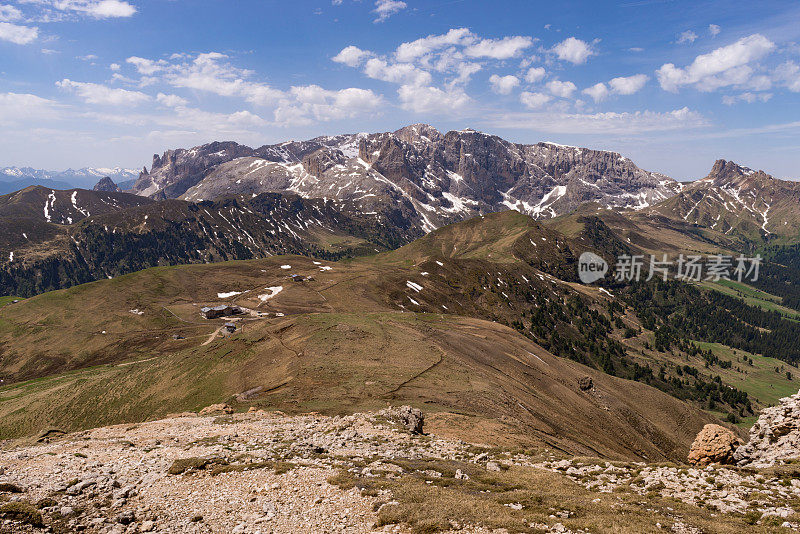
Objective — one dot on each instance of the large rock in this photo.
(714, 444)
(775, 436)
(411, 418)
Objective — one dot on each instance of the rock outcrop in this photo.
(216, 409)
(411, 418)
(775, 437)
(714, 444)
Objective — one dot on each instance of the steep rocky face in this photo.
(738, 201)
(775, 436)
(106, 184)
(177, 170)
(437, 178)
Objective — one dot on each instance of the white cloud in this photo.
(100, 9)
(534, 100)
(464, 72)
(207, 72)
(535, 74)
(313, 102)
(115, 67)
(87, 57)
(386, 8)
(93, 93)
(17, 34)
(504, 48)
(687, 37)
(748, 97)
(561, 89)
(413, 50)
(574, 50)
(598, 92)
(602, 123)
(727, 65)
(23, 107)
(503, 85)
(147, 66)
(171, 101)
(9, 13)
(628, 85)
(432, 99)
(789, 73)
(352, 56)
(401, 73)
(714, 30)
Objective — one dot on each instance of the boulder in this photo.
(411, 418)
(216, 409)
(585, 383)
(775, 436)
(714, 444)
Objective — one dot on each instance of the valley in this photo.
(350, 304)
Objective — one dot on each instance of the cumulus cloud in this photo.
(352, 56)
(171, 101)
(410, 51)
(504, 48)
(401, 73)
(628, 85)
(432, 99)
(9, 13)
(727, 65)
(535, 74)
(94, 93)
(18, 34)
(573, 50)
(789, 73)
(99, 9)
(534, 100)
(561, 89)
(146, 66)
(386, 8)
(314, 102)
(503, 85)
(687, 37)
(598, 92)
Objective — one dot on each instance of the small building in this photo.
(230, 328)
(222, 310)
(297, 278)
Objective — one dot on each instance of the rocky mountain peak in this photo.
(415, 133)
(106, 184)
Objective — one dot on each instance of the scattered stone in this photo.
(714, 444)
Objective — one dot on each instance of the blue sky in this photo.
(673, 85)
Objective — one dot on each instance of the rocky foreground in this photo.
(263, 472)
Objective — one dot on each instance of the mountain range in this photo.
(435, 178)
(16, 178)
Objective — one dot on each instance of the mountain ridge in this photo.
(440, 178)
